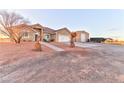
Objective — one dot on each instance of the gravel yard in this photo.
(19, 63)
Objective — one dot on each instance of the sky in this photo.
(98, 22)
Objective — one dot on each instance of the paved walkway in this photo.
(52, 46)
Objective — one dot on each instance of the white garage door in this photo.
(64, 38)
(83, 37)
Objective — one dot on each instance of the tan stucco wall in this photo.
(30, 37)
(78, 37)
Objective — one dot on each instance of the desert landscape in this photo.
(56, 52)
(92, 63)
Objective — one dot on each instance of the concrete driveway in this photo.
(87, 45)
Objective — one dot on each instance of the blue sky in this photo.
(99, 22)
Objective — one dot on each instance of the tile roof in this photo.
(48, 30)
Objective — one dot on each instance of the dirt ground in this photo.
(19, 63)
(11, 52)
(67, 47)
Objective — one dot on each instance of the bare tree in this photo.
(12, 25)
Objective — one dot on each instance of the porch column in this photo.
(41, 34)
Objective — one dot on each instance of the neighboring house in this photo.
(97, 39)
(82, 36)
(5, 39)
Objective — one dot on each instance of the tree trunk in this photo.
(73, 38)
(14, 40)
(18, 42)
(40, 36)
(72, 43)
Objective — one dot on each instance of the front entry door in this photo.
(36, 37)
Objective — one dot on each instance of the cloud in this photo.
(113, 29)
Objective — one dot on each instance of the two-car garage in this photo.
(63, 35)
(63, 38)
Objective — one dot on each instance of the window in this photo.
(47, 36)
(26, 34)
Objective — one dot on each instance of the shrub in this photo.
(38, 46)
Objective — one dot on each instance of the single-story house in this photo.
(60, 35)
(38, 32)
(97, 39)
(100, 39)
(48, 34)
